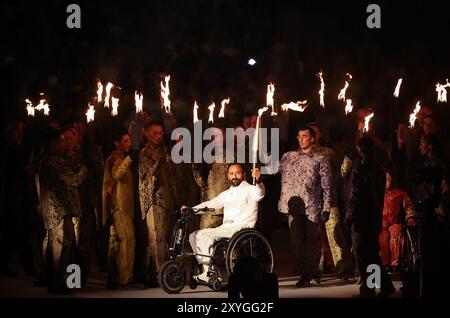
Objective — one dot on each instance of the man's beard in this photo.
(236, 182)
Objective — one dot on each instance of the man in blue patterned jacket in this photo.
(306, 196)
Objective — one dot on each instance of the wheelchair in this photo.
(226, 252)
(411, 261)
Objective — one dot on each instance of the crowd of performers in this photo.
(68, 193)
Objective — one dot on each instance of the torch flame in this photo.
(348, 106)
(165, 92)
(139, 100)
(108, 92)
(262, 110)
(222, 109)
(397, 88)
(269, 98)
(256, 136)
(211, 113)
(30, 108)
(412, 117)
(43, 106)
(322, 89)
(195, 112)
(300, 106)
(341, 95)
(99, 91)
(367, 120)
(442, 92)
(115, 106)
(90, 113)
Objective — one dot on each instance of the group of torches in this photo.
(43, 105)
(104, 96)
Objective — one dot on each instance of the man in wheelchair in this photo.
(240, 210)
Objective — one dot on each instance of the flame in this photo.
(367, 120)
(397, 88)
(165, 92)
(43, 106)
(30, 108)
(442, 92)
(90, 113)
(195, 112)
(322, 89)
(222, 110)
(269, 98)
(341, 95)
(256, 136)
(262, 110)
(300, 106)
(115, 106)
(99, 91)
(211, 113)
(348, 106)
(108, 92)
(412, 117)
(138, 100)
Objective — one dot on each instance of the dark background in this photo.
(205, 46)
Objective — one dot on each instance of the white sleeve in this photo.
(257, 192)
(216, 203)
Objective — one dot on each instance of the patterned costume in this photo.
(157, 202)
(334, 231)
(397, 208)
(118, 213)
(305, 193)
(61, 205)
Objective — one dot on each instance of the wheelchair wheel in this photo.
(249, 242)
(411, 268)
(215, 285)
(172, 277)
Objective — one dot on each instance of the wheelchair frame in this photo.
(225, 253)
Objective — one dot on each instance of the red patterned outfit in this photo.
(397, 208)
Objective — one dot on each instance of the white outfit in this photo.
(240, 210)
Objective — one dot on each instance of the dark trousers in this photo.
(84, 243)
(365, 243)
(305, 241)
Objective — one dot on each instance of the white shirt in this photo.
(240, 204)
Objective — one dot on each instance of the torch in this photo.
(211, 113)
(30, 108)
(90, 113)
(412, 117)
(341, 95)
(222, 109)
(442, 92)
(366, 122)
(256, 139)
(165, 92)
(322, 89)
(138, 102)
(115, 106)
(43, 106)
(108, 93)
(99, 91)
(269, 98)
(397, 88)
(195, 113)
(299, 106)
(348, 106)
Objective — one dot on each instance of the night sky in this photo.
(205, 46)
